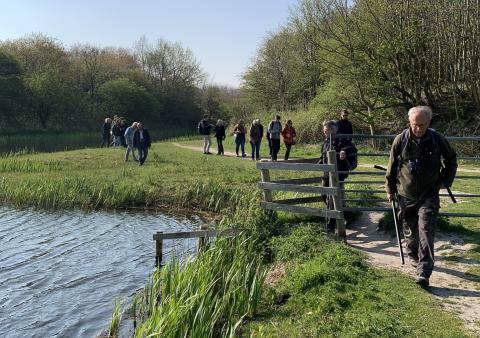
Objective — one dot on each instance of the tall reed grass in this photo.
(205, 297)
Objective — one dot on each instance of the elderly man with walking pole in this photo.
(415, 174)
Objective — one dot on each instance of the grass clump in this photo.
(205, 297)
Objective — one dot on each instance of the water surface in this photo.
(60, 272)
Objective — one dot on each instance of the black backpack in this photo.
(204, 127)
(352, 157)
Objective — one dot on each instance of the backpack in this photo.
(274, 128)
(200, 127)
(404, 142)
(352, 157)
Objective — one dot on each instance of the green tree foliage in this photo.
(275, 79)
(124, 97)
(11, 88)
(374, 57)
(48, 97)
(74, 88)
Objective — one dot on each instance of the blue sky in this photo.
(223, 35)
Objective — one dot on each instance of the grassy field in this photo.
(327, 289)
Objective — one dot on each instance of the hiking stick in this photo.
(395, 220)
(397, 228)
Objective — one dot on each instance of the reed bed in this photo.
(208, 296)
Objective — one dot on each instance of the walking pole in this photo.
(395, 220)
(397, 228)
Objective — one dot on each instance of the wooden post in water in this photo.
(158, 251)
(202, 241)
(337, 199)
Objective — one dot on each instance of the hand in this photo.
(390, 197)
(343, 155)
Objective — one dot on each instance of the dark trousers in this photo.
(419, 219)
(105, 141)
(220, 145)
(240, 143)
(255, 150)
(275, 142)
(287, 152)
(142, 153)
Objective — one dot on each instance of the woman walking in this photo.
(255, 139)
(274, 129)
(288, 134)
(220, 136)
(239, 133)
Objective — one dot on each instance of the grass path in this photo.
(450, 281)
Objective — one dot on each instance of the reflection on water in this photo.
(60, 272)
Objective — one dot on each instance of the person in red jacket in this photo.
(288, 134)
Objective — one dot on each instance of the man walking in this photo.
(129, 141)
(344, 125)
(205, 128)
(274, 129)
(415, 175)
(141, 141)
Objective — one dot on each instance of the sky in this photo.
(224, 35)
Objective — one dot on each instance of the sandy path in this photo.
(227, 153)
(448, 282)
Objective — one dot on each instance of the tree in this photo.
(11, 88)
(125, 98)
(49, 95)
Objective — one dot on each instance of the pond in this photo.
(60, 272)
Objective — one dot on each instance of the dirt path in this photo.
(448, 282)
(226, 153)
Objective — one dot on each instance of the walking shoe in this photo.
(422, 281)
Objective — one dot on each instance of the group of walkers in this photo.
(421, 163)
(135, 138)
(255, 136)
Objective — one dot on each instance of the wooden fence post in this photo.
(267, 194)
(158, 251)
(202, 241)
(337, 199)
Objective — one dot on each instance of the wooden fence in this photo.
(336, 188)
(297, 185)
(202, 234)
